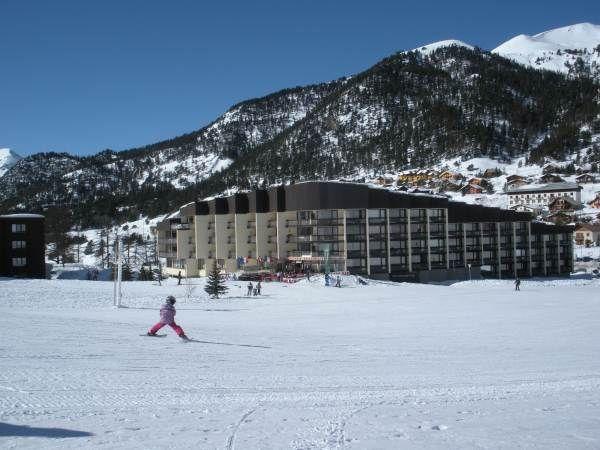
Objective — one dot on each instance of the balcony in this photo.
(316, 254)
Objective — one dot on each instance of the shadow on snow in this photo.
(7, 429)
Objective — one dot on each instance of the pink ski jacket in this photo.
(167, 313)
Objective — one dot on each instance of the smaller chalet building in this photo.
(22, 246)
(563, 204)
(595, 203)
(585, 178)
(551, 178)
(587, 233)
(541, 196)
(472, 189)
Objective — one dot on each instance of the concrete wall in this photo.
(224, 236)
(283, 230)
(264, 234)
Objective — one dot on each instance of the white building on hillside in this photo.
(541, 196)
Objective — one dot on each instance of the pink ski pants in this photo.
(176, 328)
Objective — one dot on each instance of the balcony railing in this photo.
(315, 254)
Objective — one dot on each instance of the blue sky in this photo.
(82, 76)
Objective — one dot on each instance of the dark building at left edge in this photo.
(22, 246)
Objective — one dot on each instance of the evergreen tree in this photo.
(89, 248)
(126, 273)
(215, 284)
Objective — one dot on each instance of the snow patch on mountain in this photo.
(8, 158)
(430, 48)
(557, 50)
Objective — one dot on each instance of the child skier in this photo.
(167, 317)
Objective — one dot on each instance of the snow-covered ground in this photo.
(473, 364)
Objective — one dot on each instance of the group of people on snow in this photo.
(253, 290)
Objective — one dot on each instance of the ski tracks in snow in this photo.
(230, 445)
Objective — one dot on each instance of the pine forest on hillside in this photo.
(410, 110)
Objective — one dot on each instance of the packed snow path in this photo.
(303, 366)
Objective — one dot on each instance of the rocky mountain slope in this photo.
(413, 109)
(571, 50)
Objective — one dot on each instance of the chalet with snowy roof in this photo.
(448, 186)
(449, 175)
(513, 184)
(551, 178)
(491, 173)
(22, 246)
(595, 203)
(559, 218)
(515, 177)
(566, 204)
(524, 208)
(585, 178)
(384, 181)
(541, 195)
(587, 234)
(417, 176)
(472, 189)
(550, 168)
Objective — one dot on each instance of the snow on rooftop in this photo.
(546, 187)
(21, 216)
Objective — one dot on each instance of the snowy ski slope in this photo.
(304, 367)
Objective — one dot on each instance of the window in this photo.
(18, 228)
(18, 244)
(19, 262)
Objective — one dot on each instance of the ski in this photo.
(154, 335)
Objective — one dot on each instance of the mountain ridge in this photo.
(411, 109)
(566, 49)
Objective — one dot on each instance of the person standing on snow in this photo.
(250, 289)
(517, 284)
(167, 317)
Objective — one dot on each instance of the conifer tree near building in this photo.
(215, 284)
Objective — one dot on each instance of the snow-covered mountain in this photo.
(8, 158)
(430, 48)
(439, 102)
(567, 50)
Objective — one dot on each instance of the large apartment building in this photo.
(362, 230)
(22, 246)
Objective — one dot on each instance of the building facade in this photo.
(542, 196)
(362, 230)
(22, 246)
(587, 234)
